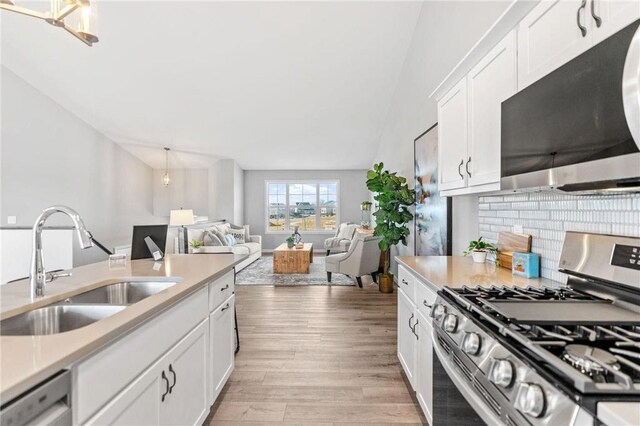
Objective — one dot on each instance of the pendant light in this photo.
(77, 17)
(166, 179)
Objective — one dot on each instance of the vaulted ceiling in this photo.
(273, 85)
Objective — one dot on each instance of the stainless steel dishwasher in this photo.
(48, 403)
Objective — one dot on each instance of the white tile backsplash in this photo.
(547, 215)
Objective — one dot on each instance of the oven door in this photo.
(455, 399)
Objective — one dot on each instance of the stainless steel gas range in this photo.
(543, 356)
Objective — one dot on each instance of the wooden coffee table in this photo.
(292, 260)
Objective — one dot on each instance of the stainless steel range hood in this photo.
(577, 130)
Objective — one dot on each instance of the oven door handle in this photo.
(466, 389)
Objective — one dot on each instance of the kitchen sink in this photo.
(123, 293)
(82, 309)
(55, 319)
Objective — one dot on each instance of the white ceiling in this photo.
(273, 85)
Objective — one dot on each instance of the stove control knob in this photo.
(438, 311)
(530, 399)
(450, 323)
(471, 343)
(501, 372)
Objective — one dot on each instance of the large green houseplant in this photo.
(393, 198)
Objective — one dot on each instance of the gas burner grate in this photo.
(524, 293)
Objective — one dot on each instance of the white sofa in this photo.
(252, 247)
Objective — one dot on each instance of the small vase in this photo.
(289, 244)
(479, 256)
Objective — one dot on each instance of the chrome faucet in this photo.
(39, 277)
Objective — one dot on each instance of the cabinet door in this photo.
(614, 15)
(186, 369)
(222, 345)
(452, 137)
(406, 339)
(549, 36)
(490, 82)
(137, 404)
(424, 388)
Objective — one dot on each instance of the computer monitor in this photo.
(139, 249)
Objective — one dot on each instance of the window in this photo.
(312, 206)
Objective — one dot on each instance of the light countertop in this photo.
(27, 360)
(457, 271)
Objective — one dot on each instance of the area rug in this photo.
(261, 272)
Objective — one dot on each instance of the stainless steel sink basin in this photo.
(123, 293)
(55, 319)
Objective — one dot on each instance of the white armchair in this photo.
(340, 242)
(362, 258)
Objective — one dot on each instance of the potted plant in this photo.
(479, 250)
(290, 241)
(195, 244)
(393, 198)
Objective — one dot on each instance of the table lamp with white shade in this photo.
(181, 218)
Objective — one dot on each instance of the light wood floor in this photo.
(316, 355)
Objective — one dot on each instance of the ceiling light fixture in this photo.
(81, 24)
(166, 179)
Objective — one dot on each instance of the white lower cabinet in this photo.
(222, 344)
(424, 387)
(168, 371)
(415, 345)
(185, 367)
(407, 347)
(170, 392)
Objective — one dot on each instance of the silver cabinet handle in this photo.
(224, 288)
(594, 15)
(413, 330)
(410, 318)
(424, 302)
(583, 29)
(467, 166)
(225, 308)
(462, 162)
(404, 282)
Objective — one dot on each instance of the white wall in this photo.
(353, 190)
(50, 156)
(226, 191)
(189, 189)
(445, 31)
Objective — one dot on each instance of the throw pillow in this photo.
(247, 236)
(215, 231)
(211, 239)
(238, 234)
(224, 228)
(231, 241)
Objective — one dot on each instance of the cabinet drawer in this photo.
(425, 298)
(406, 282)
(221, 289)
(101, 377)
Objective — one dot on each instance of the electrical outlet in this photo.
(517, 229)
(12, 220)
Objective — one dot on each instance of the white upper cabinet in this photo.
(452, 137)
(610, 16)
(469, 122)
(555, 32)
(550, 36)
(489, 83)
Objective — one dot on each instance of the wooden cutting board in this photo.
(508, 242)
